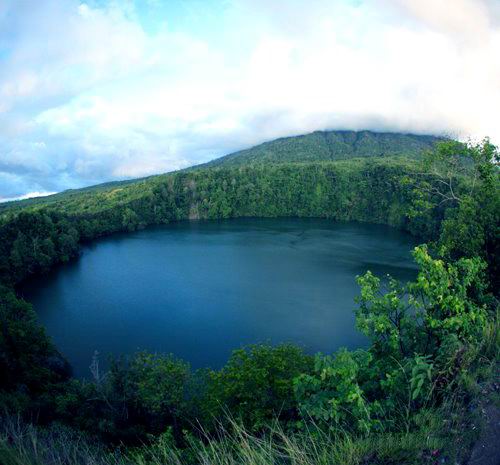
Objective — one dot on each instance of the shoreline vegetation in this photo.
(412, 397)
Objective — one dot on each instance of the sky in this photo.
(100, 90)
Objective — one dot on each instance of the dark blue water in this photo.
(201, 289)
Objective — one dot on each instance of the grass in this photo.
(25, 444)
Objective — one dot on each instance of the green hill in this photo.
(314, 147)
(331, 146)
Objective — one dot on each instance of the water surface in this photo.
(201, 289)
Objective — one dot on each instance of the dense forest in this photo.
(411, 397)
(330, 146)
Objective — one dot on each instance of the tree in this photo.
(29, 363)
(419, 316)
(424, 337)
(332, 395)
(158, 385)
(464, 179)
(256, 385)
(456, 171)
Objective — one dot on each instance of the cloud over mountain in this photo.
(101, 90)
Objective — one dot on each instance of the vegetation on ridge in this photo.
(331, 146)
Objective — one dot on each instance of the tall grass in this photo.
(316, 447)
(28, 445)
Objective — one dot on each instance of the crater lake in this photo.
(200, 289)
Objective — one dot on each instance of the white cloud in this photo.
(88, 93)
(29, 195)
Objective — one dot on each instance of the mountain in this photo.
(314, 147)
(329, 146)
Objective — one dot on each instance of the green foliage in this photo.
(463, 177)
(256, 385)
(421, 374)
(328, 146)
(332, 395)
(424, 336)
(141, 396)
(29, 364)
(159, 383)
(150, 393)
(418, 317)
(34, 241)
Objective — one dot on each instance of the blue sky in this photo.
(100, 90)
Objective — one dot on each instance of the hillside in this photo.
(331, 146)
(314, 147)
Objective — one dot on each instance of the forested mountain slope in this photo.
(331, 145)
(315, 147)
